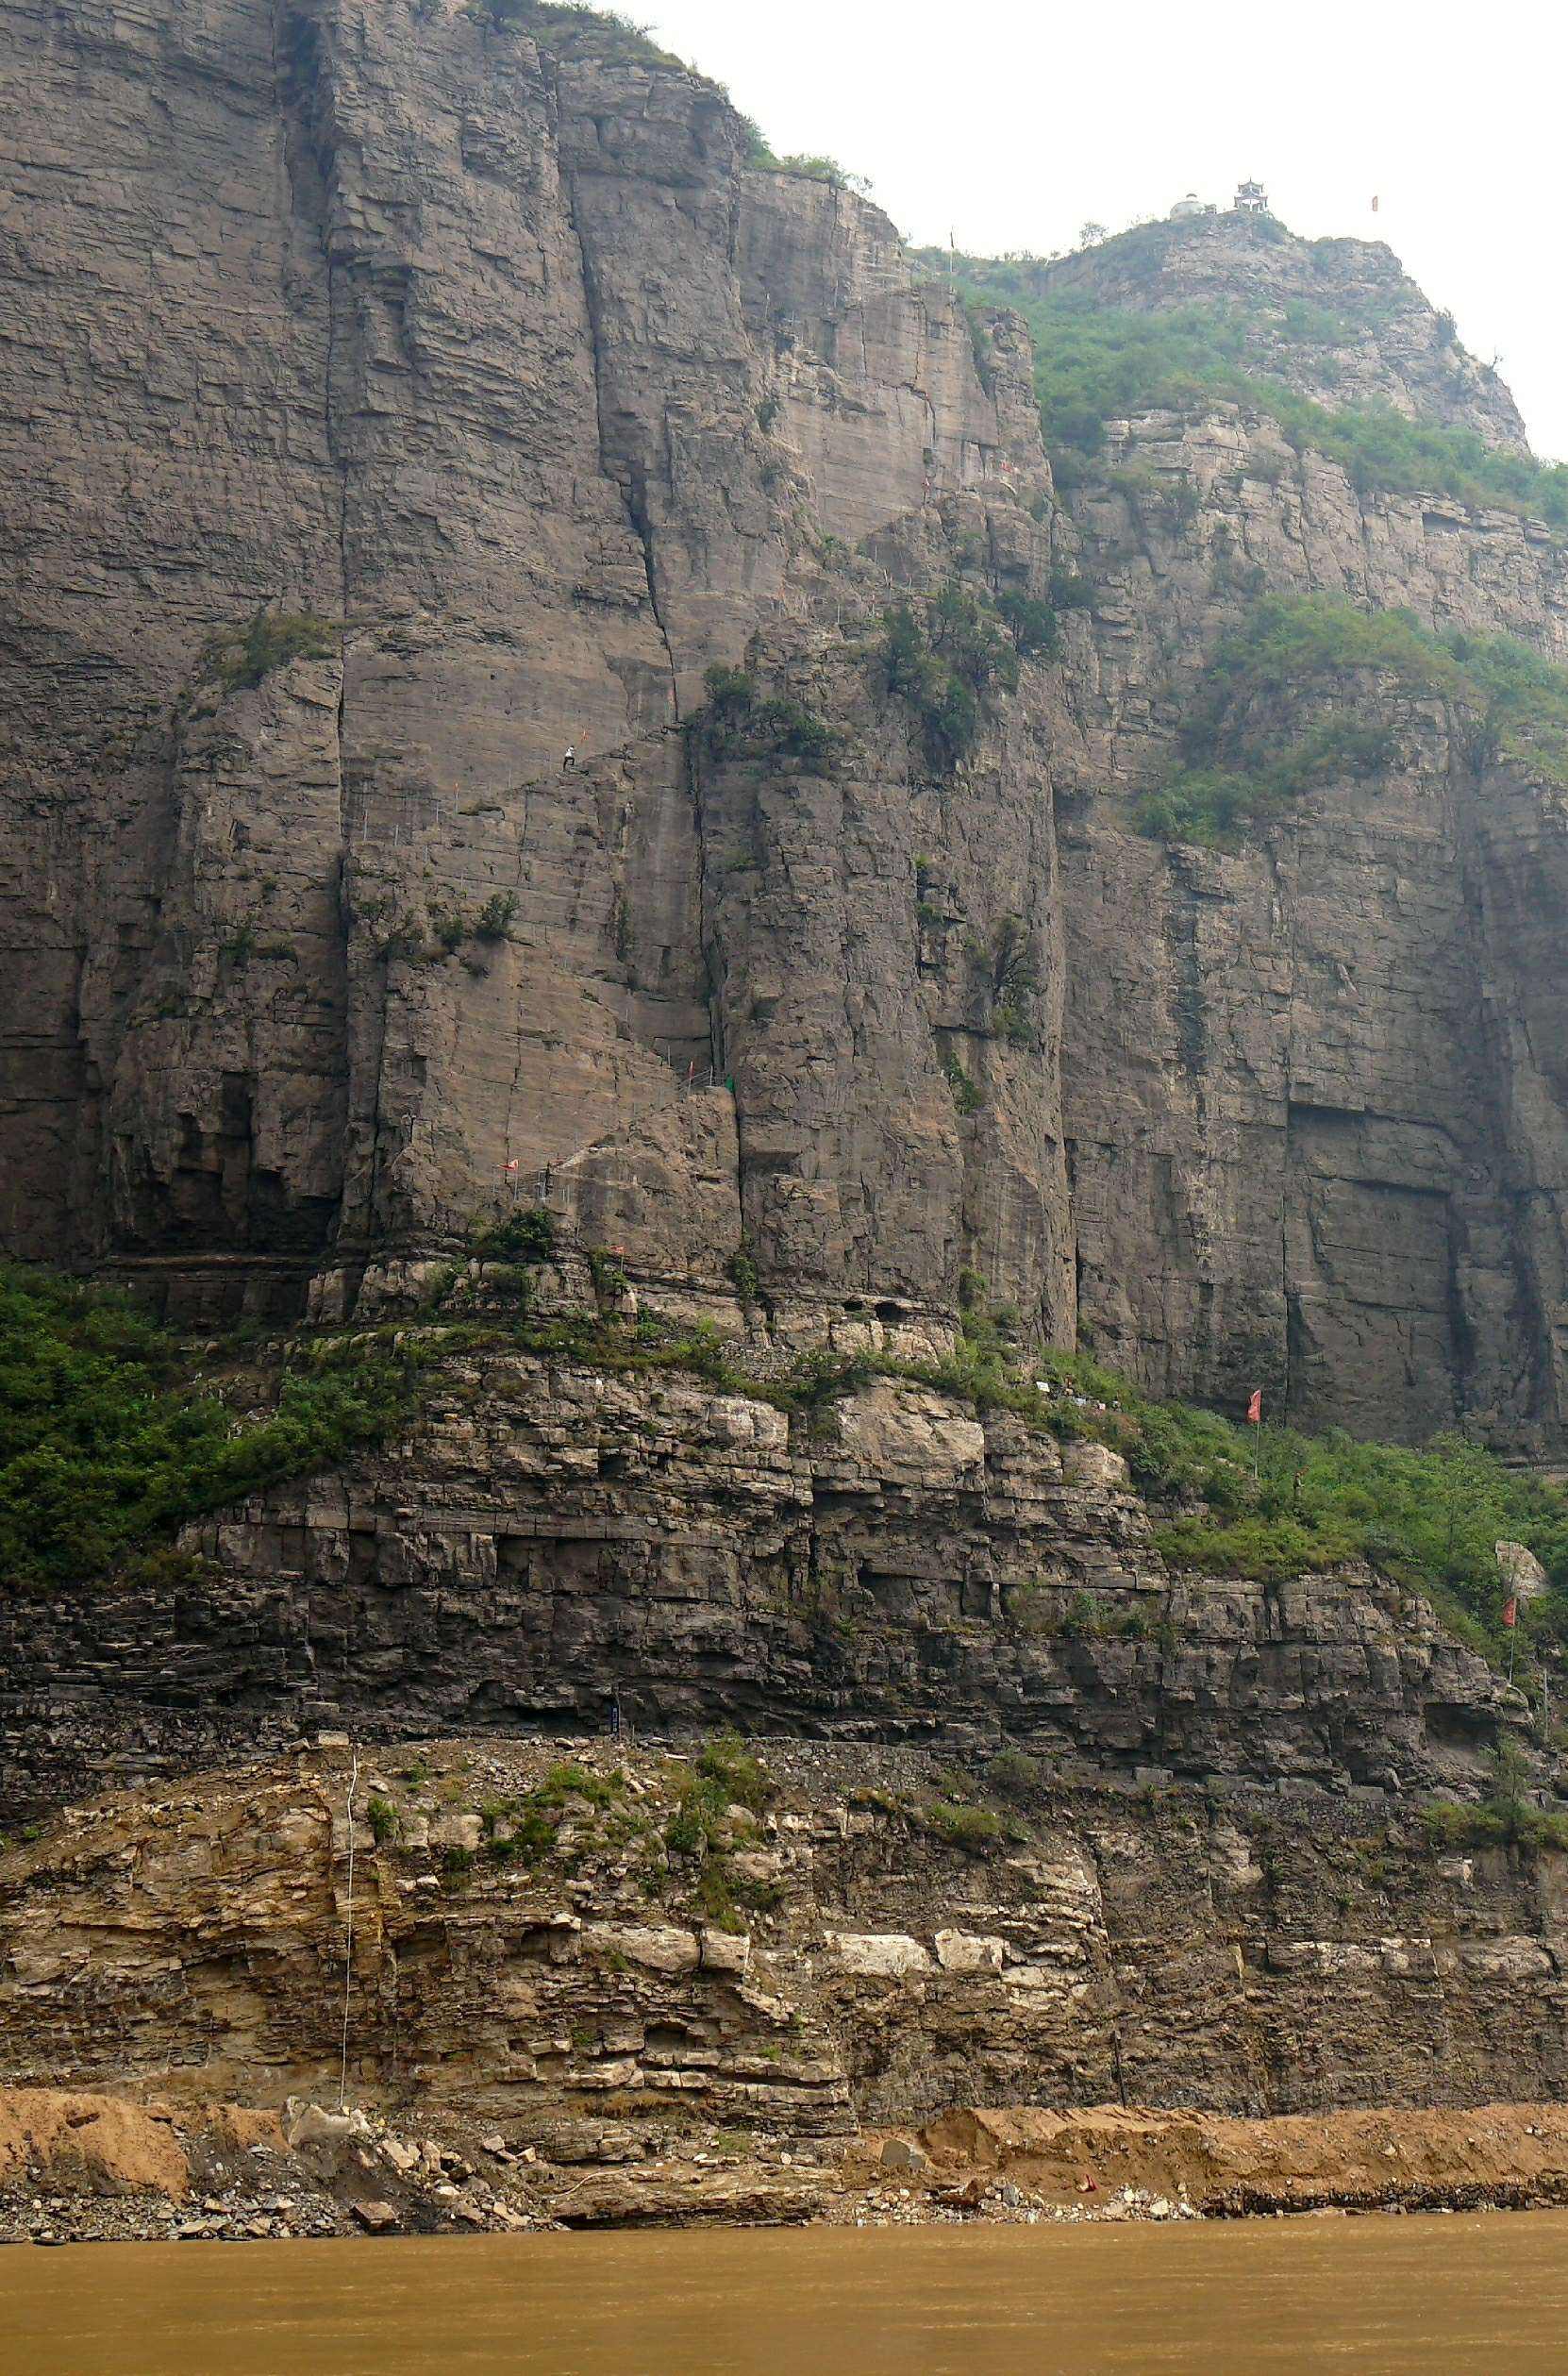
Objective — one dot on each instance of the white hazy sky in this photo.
(1010, 124)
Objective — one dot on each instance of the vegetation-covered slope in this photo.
(1096, 362)
(1246, 754)
(112, 1437)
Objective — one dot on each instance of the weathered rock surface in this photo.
(485, 346)
(1095, 1946)
(552, 1533)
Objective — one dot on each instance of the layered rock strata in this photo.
(871, 1950)
(900, 1570)
(480, 350)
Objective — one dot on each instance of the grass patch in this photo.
(1507, 1818)
(701, 1828)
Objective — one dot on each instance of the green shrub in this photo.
(384, 1821)
(942, 662)
(529, 1236)
(1071, 592)
(969, 1828)
(108, 1441)
(737, 722)
(966, 1092)
(743, 1275)
(606, 1272)
(573, 29)
(730, 691)
(1033, 624)
(1012, 978)
(1013, 1773)
(727, 1762)
(807, 168)
(820, 1379)
(240, 657)
(494, 919)
(790, 727)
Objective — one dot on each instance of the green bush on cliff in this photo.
(945, 658)
(528, 1235)
(242, 657)
(1244, 759)
(107, 1441)
(737, 722)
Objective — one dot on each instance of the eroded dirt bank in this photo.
(79, 2167)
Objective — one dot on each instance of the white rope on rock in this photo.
(348, 1941)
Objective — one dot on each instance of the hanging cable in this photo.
(348, 1941)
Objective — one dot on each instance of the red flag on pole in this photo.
(1255, 1408)
(513, 1165)
(1511, 1610)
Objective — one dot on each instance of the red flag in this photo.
(1255, 1408)
(1511, 1610)
(513, 1165)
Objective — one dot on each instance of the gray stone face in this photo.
(552, 1534)
(490, 352)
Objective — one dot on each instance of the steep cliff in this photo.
(470, 351)
(594, 814)
(489, 354)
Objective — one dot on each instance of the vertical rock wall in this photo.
(1311, 1150)
(487, 351)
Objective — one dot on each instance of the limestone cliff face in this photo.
(485, 346)
(1315, 1135)
(1252, 1954)
(494, 356)
(549, 1536)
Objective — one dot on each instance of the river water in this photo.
(1486, 2295)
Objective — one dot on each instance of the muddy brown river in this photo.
(1433, 2296)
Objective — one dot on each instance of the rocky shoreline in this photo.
(92, 2168)
(594, 1986)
